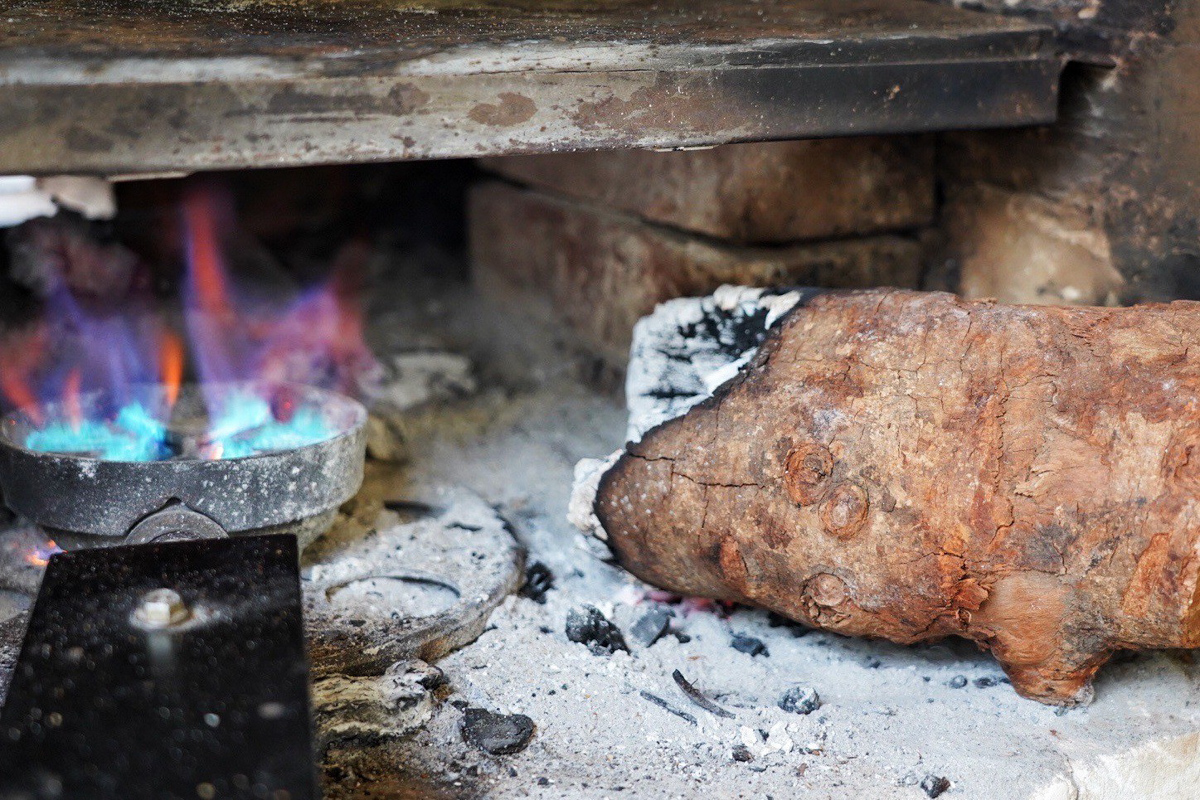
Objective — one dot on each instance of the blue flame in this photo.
(133, 436)
(246, 425)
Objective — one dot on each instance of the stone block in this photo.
(599, 271)
(765, 192)
(1022, 247)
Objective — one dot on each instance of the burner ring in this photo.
(92, 496)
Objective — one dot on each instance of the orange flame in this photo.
(170, 360)
(20, 355)
(40, 556)
(212, 294)
(71, 398)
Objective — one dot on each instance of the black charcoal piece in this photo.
(498, 734)
(749, 645)
(800, 700)
(742, 753)
(779, 621)
(934, 785)
(538, 580)
(986, 682)
(111, 699)
(590, 627)
(697, 697)
(652, 626)
(957, 682)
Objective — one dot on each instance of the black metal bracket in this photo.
(163, 670)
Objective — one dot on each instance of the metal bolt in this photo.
(161, 608)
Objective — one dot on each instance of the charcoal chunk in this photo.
(590, 627)
(742, 753)
(957, 682)
(749, 645)
(652, 626)
(800, 700)
(538, 580)
(498, 734)
(934, 785)
(986, 682)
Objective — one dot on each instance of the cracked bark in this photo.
(912, 466)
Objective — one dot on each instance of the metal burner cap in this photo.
(87, 495)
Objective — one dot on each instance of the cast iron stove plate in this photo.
(218, 707)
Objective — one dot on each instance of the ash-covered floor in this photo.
(892, 721)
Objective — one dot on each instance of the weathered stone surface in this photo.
(1020, 476)
(1126, 140)
(755, 193)
(1019, 247)
(600, 271)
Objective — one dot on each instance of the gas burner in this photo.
(237, 459)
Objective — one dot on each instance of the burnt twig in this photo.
(698, 698)
(663, 704)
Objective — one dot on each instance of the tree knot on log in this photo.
(844, 511)
(825, 595)
(805, 470)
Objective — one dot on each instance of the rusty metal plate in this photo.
(141, 85)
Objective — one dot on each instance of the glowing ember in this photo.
(80, 375)
(40, 556)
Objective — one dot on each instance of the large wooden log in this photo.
(913, 466)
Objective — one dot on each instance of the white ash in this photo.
(24, 197)
(581, 507)
(413, 379)
(409, 382)
(681, 353)
(688, 347)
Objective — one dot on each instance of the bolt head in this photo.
(161, 608)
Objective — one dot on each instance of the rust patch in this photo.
(733, 565)
(513, 109)
(407, 97)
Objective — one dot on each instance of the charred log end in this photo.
(655, 531)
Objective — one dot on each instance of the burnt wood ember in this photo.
(498, 734)
(652, 625)
(934, 785)
(749, 645)
(538, 580)
(592, 628)
(663, 704)
(800, 700)
(183, 85)
(912, 466)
